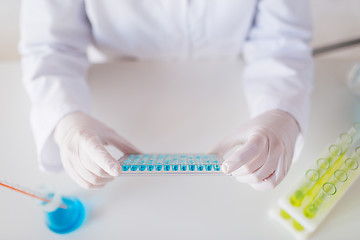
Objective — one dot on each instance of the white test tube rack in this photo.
(292, 209)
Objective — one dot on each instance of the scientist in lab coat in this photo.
(272, 36)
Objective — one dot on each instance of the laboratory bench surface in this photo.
(172, 107)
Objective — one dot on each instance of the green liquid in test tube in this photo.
(327, 191)
(311, 177)
(350, 165)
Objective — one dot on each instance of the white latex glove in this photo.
(81, 140)
(260, 152)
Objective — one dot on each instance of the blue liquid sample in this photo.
(166, 167)
(133, 168)
(191, 166)
(216, 167)
(175, 167)
(125, 167)
(66, 220)
(183, 167)
(158, 167)
(142, 167)
(200, 167)
(150, 165)
(208, 167)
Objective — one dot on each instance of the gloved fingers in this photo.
(121, 143)
(244, 154)
(253, 165)
(269, 167)
(273, 180)
(265, 185)
(95, 149)
(75, 176)
(87, 175)
(227, 144)
(92, 167)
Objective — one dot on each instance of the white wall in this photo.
(9, 34)
(334, 20)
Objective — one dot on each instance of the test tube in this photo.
(314, 175)
(344, 141)
(327, 191)
(356, 154)
(355, 131)
(311, 177)
(350, 165)
(335, 152)
(337, 180)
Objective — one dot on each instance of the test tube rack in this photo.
(171, 164)
(302, 209)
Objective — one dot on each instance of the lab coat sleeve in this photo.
(279, 67)
(54, 37)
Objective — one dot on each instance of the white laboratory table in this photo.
(171, 107)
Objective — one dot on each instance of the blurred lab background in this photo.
(335, 21)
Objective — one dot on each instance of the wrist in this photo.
(65, 124)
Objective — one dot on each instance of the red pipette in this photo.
(22, 190)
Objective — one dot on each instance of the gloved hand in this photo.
(260, 152)
(81, 140)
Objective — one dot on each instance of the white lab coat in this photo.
(271, 35)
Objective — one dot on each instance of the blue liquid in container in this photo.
(158, 167)
(66, 220)
(142, 167)
(133, 168)
(175, 167)
(200, 167)
(150, 165)
(192, 167)
(166, 167)
(183, 167)
(208, 167)
(125, 167)
(216, 167)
